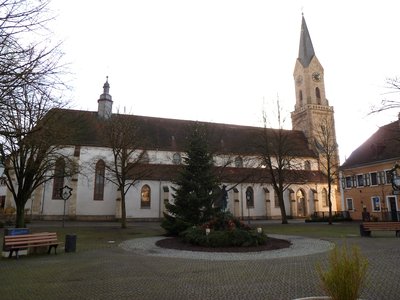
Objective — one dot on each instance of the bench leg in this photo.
(11, 252)
(397, 233)
(363, 232)
(55, 249)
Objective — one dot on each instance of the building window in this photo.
(177, 159)
(318, 95)
(381, 177)
(58, 180)
(307, 165)
(374, 178)
(349, 182)
(276, 199)
(324, 196)
(360, 180)
(99, 180)
(238, 162)
(388, 177)
(349, 202)
(376, 203)
(249, 197)
(145, 197)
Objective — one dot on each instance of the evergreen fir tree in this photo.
(196, 184)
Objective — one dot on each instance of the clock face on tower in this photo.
(316, 76)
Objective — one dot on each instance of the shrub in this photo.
(346, 274)
(174, 226)
(223, 238)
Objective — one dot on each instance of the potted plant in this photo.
(345, 275)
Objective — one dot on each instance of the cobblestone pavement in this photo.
(115, 273)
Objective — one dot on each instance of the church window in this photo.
(325, 197)
(249, 197)
(276, 199)
(238, 162)
(99, 180)
(318, 95)
(307, 165)
(301, 97)
(145, 197)
(58, 180)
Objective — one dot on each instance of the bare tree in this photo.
(388, 103)
(278, 158)
(326, 146)
(128, 163)
(29, 88)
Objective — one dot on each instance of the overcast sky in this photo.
(226, 60)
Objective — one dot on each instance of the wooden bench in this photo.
(14, 243)
(367, 227)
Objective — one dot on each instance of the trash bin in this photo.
(70, 243)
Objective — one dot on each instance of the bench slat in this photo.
(33, 240)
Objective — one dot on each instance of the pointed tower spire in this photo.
(105, 102)
(306, 49)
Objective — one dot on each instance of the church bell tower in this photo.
(312, 109)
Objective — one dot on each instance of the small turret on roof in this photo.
(105, 102)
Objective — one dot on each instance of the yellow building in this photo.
(367, 186)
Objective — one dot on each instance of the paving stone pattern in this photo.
(129, 273)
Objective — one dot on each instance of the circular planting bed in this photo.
(179, 244)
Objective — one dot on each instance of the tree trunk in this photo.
(283, 210)
(123, 210)
(330, 204)
(20, 216)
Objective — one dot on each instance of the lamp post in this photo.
(248, 198)
(65, 193)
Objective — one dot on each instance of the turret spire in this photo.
(105, 102)
(306, 49)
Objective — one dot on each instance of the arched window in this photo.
(301, 97)
(318, 95)
(99, 180)
(325, 197)
(58, 181)
(249, 197)
(276, 199)
(177, 159)
(307, 165)
(238, 162)
(145, 197)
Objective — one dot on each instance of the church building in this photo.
(94, 198)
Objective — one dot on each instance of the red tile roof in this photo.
(170, 134)
(383, 145)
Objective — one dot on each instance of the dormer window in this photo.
(238, 162)
(177, 159)
(145, 158)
